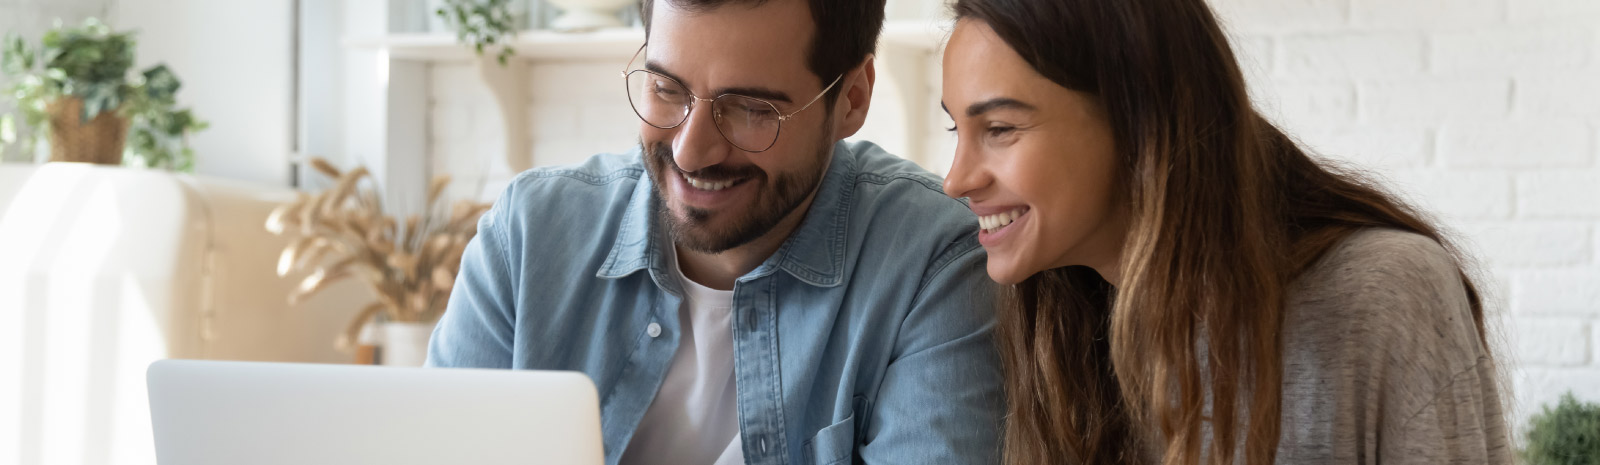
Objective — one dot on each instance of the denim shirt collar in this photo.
(813, 253)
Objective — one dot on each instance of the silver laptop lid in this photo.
(246, 413)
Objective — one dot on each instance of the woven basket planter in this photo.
(99, 141)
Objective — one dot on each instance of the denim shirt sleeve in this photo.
(477, 331)
(941, 399)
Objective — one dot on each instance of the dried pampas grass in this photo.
(343, 232)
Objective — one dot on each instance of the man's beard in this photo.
(776, 197)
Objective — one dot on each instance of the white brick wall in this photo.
(1433, 14)
(575, 109)
(1510, 49)
(1477, 195)
(1532, 244)
(1352, 55)
(1534, 143)
(1559, 194)
(1568, 345)
(1523, 12)
(1427, 98)
(1558, 95)
(1484, 112)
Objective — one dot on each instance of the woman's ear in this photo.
(850, 111)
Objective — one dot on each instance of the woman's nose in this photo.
(966, 175)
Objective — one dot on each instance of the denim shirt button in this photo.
(653, 330)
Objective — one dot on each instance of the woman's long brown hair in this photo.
(1225, 211)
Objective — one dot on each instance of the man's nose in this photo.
(698, 143)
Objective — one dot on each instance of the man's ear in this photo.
(850, 111)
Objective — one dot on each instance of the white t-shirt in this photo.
(694, 418)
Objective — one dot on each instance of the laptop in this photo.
(248, 413)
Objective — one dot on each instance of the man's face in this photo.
(714, 195)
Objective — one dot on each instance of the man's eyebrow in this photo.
(757, 92)
(657, 68)
(997, 103)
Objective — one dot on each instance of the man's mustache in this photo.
(714, 173)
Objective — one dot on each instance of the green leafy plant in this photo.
(92, 63)
(1566, 435)
(482, 23)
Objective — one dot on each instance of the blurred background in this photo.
(1484, 112)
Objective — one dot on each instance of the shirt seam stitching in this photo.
(943, 262)
(1454, 377)
(501, 255)
(881, 180)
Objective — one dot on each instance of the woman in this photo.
(1187, 285)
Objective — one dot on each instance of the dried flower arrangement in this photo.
(344, 232)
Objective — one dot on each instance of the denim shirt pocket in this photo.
(832, 445)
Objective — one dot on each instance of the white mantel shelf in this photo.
(904, 50)
(546, 45)
(529, 45)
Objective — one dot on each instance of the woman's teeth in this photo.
(993, 223)
(707, 185)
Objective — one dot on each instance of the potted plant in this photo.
(410, 266)
(482, 23)
(1566, 435)
(75, 89)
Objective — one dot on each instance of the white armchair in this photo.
(104, 269)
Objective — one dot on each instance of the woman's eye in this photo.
(1001, 130)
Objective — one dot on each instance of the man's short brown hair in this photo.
(847, 31)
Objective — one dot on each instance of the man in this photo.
(745, 288)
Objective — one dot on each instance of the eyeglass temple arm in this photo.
(631, 60)
(814, 100)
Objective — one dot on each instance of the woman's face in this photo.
(1035, 159)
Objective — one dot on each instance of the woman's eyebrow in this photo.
(997, 103)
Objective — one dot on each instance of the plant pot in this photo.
(583, 15)
(99, 141)
(405, 344)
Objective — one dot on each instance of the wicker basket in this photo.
(100, 141)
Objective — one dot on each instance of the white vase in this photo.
(582, 15)
(405, 344)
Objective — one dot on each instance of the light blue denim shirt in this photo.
(867, 337)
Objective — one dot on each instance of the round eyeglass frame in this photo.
(694, 100)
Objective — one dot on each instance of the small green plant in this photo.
(481, 23)
(92, 63)
(1566, 435)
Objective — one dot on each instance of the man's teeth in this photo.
(708, 186)
(992, 223)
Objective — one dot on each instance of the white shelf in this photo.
(904, 52)
(531, 45)
(545, 45)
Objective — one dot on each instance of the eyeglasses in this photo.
(749, 123)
